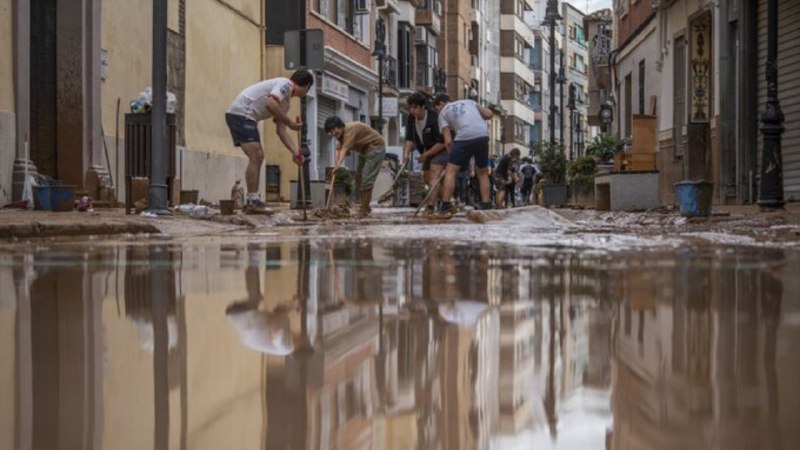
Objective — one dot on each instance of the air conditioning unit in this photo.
(421, 35)
(361, 6)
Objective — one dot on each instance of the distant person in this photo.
(503, 174)
(423, 134)
(528, 172)
(269, 99)
(467, 120)
(371, 149)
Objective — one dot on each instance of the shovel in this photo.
(431, 192)
(300, 167)
(389, 193)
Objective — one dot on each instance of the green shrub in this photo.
(603, 147)
(582, 170)
(552, 162)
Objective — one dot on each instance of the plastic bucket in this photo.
(41, 198)
(694, 198)
(62, 198)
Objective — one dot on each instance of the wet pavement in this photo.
(338, 339)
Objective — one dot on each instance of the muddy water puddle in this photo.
(360, 343)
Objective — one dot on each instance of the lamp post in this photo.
(770, 193)
(157, 193)
(380, 53)
(550, 18)
(561, 80)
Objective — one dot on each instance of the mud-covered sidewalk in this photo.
(734, 224)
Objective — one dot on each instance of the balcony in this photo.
(430, 19)
(514, 65)
(510, 22)
(390, 71)
(391, 4)
(519, 109)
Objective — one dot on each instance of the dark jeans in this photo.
(527, 187)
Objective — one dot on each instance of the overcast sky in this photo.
(589, 6)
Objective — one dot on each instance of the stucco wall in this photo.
(628, 63)
(6, 57)
(7, 123)
(220, 62)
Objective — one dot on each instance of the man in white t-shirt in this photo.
(467, 120)
(269, 99)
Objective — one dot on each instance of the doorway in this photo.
(43, 86)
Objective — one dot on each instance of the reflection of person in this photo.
(268, 99)
(370, 146)
(422, 134)
(467, 120)
(265, 331)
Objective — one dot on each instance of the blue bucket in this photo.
(62, 198)
(694, 198)
(41, 198)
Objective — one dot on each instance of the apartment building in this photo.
(574, 48)
(517, 78)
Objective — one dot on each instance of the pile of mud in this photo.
(336, 212)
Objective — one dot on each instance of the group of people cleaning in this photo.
(450, 136)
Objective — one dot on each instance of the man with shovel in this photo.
(467, 120)
(268, 99)
(371, 149)
(422, 133)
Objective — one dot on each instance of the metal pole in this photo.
(304, 177)
(380, 93)
(770, 193)
(561, 97)
(158, 176)
(552, 82)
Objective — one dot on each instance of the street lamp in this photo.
(561, 80)
(550, 18)
(770, 193)
(380, 53)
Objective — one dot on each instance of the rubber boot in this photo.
(366, 196)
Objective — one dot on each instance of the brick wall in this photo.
(341, 41)
(638, 12)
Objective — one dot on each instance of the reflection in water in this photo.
(363, 344)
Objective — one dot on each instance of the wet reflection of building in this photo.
(707, 363)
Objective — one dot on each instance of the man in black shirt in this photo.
(422, 133)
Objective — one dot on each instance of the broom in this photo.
(389, 193)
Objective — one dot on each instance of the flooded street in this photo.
(316, 343)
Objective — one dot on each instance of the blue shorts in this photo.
(463, 151)
(242, 129)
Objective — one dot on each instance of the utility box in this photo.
(139, 152)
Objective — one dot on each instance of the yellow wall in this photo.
(221, 60)
(6, 57)
(7, 377)
(127, 37)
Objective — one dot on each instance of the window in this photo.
(572, 34)
(404, 50)
(641, 87)
(628, 105)
(342, 14)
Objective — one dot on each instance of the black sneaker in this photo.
(483, 206)
(445, 211)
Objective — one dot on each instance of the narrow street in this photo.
(534, 331)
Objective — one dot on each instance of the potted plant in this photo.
(603, 148)
(581, 174)
(552, 167)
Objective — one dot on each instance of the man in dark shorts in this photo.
(528, 172)
(371, 149)
(268, 99)
(467, 120)
(503, 175)
(422, 133)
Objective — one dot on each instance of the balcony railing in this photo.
(390, 71)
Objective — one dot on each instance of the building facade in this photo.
(573, 107)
